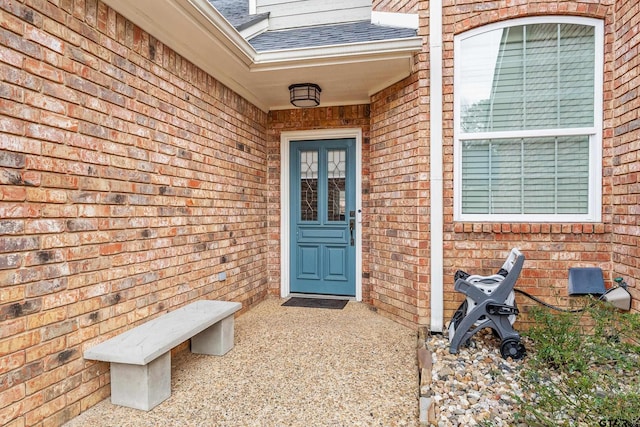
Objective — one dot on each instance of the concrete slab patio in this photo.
(290, 366)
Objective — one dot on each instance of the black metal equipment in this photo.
(490, 303)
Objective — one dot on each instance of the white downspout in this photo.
(436, 175)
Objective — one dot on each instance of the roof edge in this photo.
(221, 23)
(191, 27)
(341, 53)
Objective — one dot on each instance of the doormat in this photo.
(337, 304)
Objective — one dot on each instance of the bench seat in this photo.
(141, 357)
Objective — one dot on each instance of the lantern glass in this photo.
(305, 95)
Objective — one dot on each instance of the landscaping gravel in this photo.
(474, 386)
(290, 367)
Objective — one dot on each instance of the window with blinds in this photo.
(528, 121)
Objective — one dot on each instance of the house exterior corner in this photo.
(133, 182)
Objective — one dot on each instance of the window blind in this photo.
(526, 175)
(542, 78)
(535, 79)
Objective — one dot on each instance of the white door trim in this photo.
(285, 247)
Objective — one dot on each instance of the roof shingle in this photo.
(237, 13)
(327, 35)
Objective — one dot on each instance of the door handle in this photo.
(352, 225)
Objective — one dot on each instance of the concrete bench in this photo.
(141, 357)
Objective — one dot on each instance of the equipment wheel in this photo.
(459, 314)
(513, 348)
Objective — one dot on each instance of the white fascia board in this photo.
(220, 23)
(354, 52)
(392, 19)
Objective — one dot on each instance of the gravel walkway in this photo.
(290, 367)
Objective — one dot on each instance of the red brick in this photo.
(11, 125)
(62, 92)
(45, 410)
(12, 327)
(19, 342)
(14, 394)
(45, 226)
(41, 69)
(61, 417)
(11, 57)
(38, 352)
(44, 39)
(10, 193)
(44, 380)
(19, 111)
(38, 320)
(10, 413)
(11, 361)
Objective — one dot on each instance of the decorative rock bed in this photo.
(468, 388)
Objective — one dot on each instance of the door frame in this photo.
(285, 187)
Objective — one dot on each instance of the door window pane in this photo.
(336, 194)
(309, 185)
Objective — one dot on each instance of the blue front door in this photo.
(323, 217)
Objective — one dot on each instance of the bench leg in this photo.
(141, 386)
(216, 340)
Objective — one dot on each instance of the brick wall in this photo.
(399, 6)
(129, 180)
(625, 166)
(550, 248)
(353, 116)
(400, 200)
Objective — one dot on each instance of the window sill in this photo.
(530, 228)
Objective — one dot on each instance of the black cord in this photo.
(564, 310)
(553, 307)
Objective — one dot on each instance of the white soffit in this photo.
(347, 74)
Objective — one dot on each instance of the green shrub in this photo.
(583, 369)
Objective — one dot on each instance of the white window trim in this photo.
(595, 133)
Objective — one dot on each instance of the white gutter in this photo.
(436, 174)
(336, 54)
